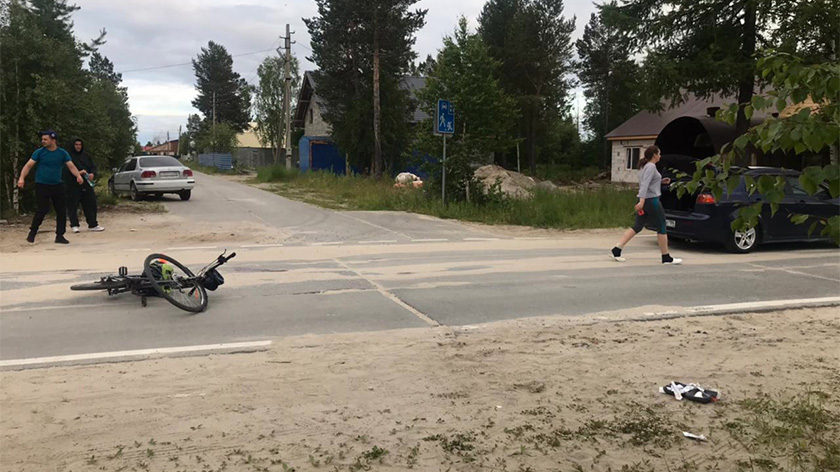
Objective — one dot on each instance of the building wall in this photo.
(314, 124)
(620, 170)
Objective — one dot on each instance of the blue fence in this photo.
(217, 160)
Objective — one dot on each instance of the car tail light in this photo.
(187, 173)
(706, 198)
(148, 174)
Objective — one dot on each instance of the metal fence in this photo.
(217, 160)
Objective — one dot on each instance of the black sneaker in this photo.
(667, 259)
(31, 236)
(61, 240)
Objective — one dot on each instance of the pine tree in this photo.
(223, 96)
(610, 78)
(363, 48)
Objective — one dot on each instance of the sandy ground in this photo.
(535, 394)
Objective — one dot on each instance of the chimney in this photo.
(711, 111)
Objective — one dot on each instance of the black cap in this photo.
(49, 133)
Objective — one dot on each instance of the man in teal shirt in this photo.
(50, 160)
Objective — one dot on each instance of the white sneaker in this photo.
(617, 258)
(676, 261)
(75, 229)
(97, 229)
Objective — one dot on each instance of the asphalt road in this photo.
(365, 271)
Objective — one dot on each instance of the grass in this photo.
(107, 202)
(583, 208)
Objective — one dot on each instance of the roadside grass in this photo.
(583, 208)
(107, 202)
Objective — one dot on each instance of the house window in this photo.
(633, 157)
(310, 116)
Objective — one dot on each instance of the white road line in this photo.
(142, 249)
(481, 239)
(332, 243)
(746, 307)
(60, 307)
(530, 239)
(372, 224)
(794, 272)
(381, 289)
(384, 241)
(260, 245)
(135, 353)
(193, 248)
(428, 240)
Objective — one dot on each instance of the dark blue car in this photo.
(701, 217)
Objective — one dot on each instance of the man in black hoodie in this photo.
(82, 192)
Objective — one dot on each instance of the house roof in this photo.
(169, 146)
(308, 93)
(650, 124)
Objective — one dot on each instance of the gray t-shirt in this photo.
(650, 181)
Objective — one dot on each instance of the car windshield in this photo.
(159, 161)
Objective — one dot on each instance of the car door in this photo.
(126, 174)
(819, 206)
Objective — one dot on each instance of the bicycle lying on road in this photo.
(167, 278)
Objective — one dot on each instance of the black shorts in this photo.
(654, 217)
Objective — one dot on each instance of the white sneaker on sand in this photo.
(675, 261)
(96, 228)
(75, 229)
(617, 258)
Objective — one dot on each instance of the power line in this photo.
(190, 63)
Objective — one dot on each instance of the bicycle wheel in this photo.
(175, 282)
(106, 283)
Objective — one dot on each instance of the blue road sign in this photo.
(445, 122)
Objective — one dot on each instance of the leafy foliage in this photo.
(805, 96)
(269, 99)
(464, 74)
(44, 84)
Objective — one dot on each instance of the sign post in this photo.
(444, 125)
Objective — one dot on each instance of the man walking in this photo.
(50, 160)
(81, 193)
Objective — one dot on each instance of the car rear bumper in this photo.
(696, 226)
(165, 185)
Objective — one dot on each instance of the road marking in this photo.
(372, 224)
(794, 272)
(379, 242)
(481, 239)
(746, 307)
(428, 240)
(530, 239)
(143, 249)
(193, 248)
(381, 289)
(332, 243)
(261, 245)
(135, 353)
(60, 307)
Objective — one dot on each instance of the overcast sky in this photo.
(144, 34)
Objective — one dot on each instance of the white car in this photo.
(152, 175)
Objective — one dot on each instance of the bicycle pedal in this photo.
(123, 271)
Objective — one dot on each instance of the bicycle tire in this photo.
(100, 285)
(195, 288)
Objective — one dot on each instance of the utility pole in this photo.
(287, 111)
(178, 151)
